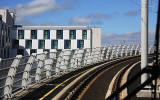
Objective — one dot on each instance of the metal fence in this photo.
(22, 72)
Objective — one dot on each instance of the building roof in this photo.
(51, 27)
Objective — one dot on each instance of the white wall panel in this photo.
(60, 44)
(39, 34)
(21, 44)
(78, 34)
(52, 34)
(27, 34)
(87, 44)
(34, 44)
(88, 34)
(39, 51)
(73, 44)
(47, 44)
(65, 34)
(53, 50)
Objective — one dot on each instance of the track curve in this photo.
(96, 89)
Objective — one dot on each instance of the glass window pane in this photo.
(67, 44)
(54, 44)
(84, 34)
(33, 51)
(41, 44)
(33, 34)
(28, 43)
(59, 34)
(20, 34)
(80, 44)
(46, 34)
(72, 34)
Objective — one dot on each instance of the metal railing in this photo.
(22, 72)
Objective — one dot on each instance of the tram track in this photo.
(92, 86)
(74, 86)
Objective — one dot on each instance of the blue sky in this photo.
(119, 19)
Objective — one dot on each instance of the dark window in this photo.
(8, 53)
(59, 34)
(72, 34)
(15, 43)
(46, 50)
(46, 34)
(41, 44)
(9, 32)
(84, 34)
(54, 44)
(33, 34)
(20, 52)
(29, 44)
(67, 44)
(33, 51)
(80, 44)
(20, 34)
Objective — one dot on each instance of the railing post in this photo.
(10, 77)
(25, 77)
(39, 67)
(123, 50)
(131, 51)
(113, 52)
(109, 51)
(150, 51)
(77, 63)
(127, 49)
(118, 50)
(48, 65)
(136, 50)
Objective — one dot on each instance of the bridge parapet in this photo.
(22, 72)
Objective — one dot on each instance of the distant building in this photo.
(37, 39)
(25, 40)
(6, 23)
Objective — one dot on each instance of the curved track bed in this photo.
(95, 87)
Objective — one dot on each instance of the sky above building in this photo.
(120, 20)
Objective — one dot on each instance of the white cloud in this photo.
(132, 13)
(81, 20)
(126, 38)
(36, 7)
(94, 18)
(99, 16)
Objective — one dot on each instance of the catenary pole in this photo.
(144, 37)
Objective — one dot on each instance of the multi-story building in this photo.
(37, 39)
(25, 40)
(6, 23)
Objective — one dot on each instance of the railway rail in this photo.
(95, 84)
(71, 85)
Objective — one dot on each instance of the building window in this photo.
(8, 53)
(33, 34)
(72, 34)
(46, 50)
(84, 34)
(20, 34)
(46, 34)
(59, 34)
(28, 44)
(67, 44)
(80, 44)
(20, 52)
(41, 44)
(15, 43)
(9, 32)
(33, 51)
(54, 44)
